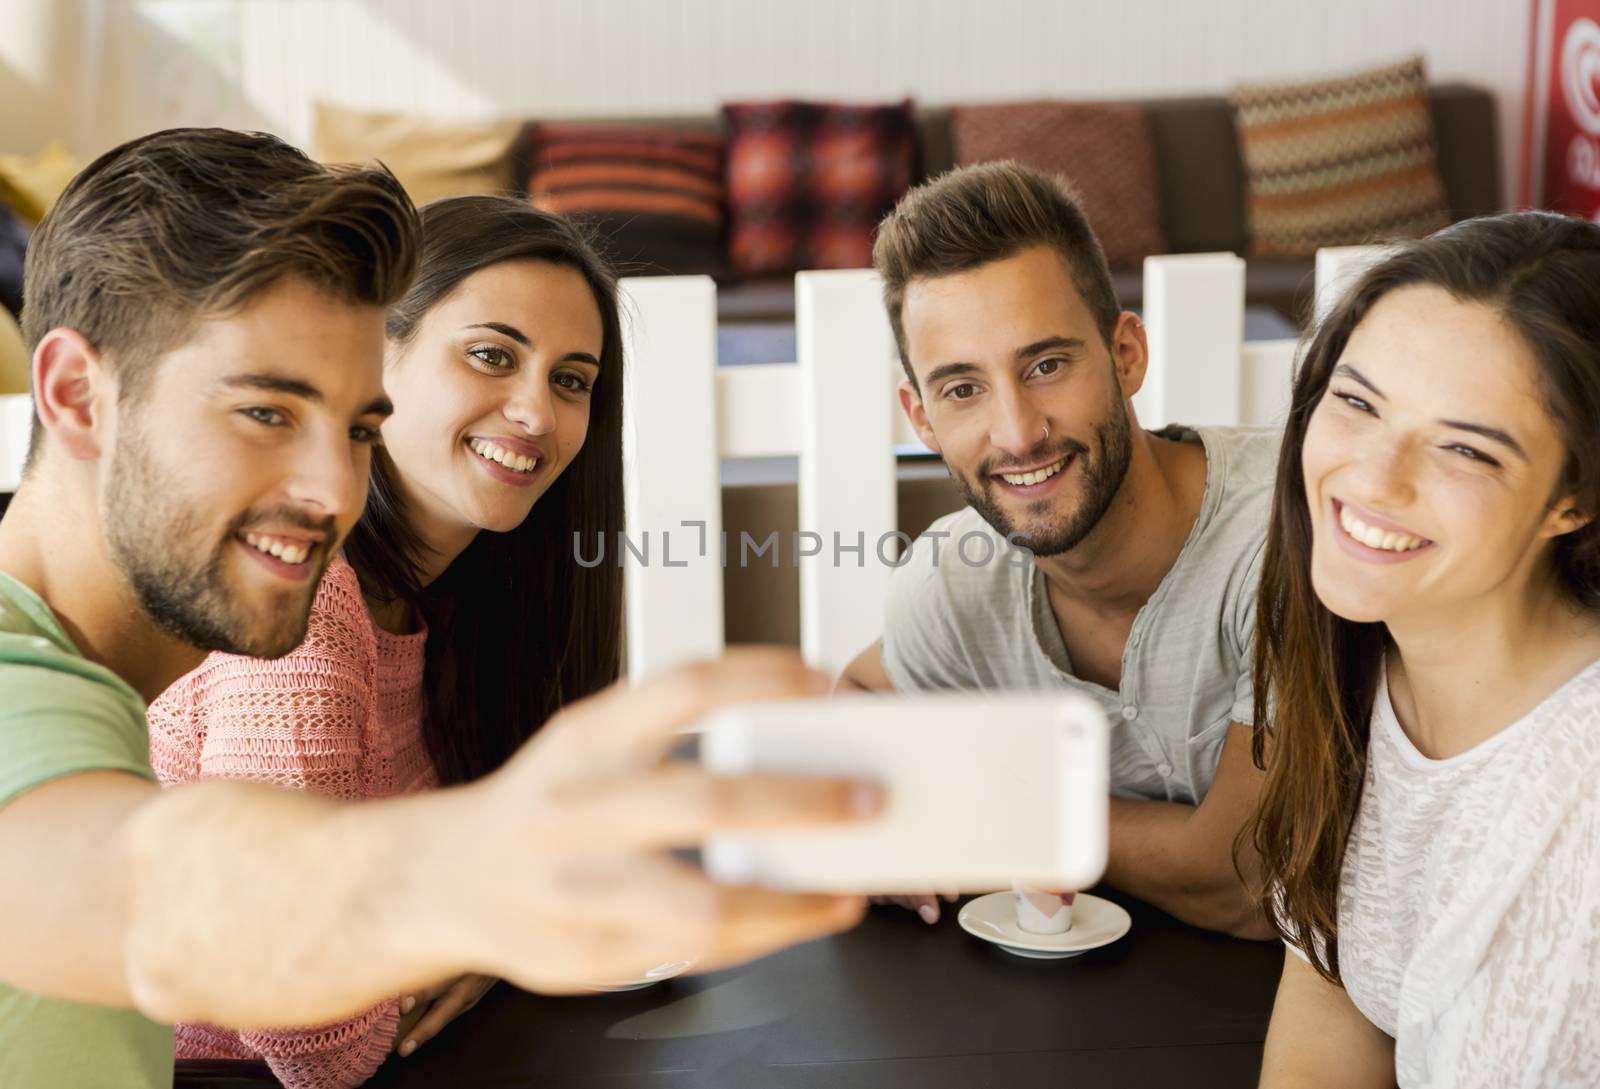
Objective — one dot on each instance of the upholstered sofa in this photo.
(1202, 192)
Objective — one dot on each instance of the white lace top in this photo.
(1469, 911)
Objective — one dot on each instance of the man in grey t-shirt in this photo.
(1135, 580)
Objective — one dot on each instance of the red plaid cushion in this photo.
(808, 182)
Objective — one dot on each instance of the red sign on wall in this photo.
(1563, 157)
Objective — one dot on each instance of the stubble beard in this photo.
(157, 541)
(1104, 470)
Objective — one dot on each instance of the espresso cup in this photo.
(1041, 911)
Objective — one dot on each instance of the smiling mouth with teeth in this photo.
(506, 459)
(1037, 476)
(289, 552)
(1373, 537)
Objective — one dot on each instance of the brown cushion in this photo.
(1339, 161)
(432, 158)
(652, 194)
(809, 181)
(1102, 148)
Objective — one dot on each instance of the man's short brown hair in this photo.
(977, 214)
(180, 225)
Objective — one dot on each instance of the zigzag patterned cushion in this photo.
(1340, 161)
(1102, 148)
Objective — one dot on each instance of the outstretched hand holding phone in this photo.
(240, 905)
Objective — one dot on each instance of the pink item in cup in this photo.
(1042, 911)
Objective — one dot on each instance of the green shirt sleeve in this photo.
(54, 724)
(60, 714)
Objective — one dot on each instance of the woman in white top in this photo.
(1427, 673)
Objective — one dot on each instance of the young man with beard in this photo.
(205, 315)
(1137, 583)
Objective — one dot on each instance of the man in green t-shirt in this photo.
(204, 313)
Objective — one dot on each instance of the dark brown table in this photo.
(893, 1003)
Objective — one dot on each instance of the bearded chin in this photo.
(175, 569)
(1102, 474)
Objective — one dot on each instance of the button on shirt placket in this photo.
(1153, 745)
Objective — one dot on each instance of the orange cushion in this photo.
(652, 194)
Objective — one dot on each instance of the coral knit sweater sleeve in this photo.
(340, 716)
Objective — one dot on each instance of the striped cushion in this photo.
(1340, 161)
(652, 193)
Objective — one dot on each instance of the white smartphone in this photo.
(981, 790)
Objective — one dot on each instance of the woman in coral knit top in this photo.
(456, 619)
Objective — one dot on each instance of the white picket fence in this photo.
(835, 409)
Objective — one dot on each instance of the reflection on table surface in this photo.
(892, 1003)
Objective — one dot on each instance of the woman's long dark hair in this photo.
(516, 627)
(1316, 673)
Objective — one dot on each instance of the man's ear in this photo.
(1130, 353)
(911, 403)
(72, 391)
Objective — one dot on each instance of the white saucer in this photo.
(1095, 922)
(658, 974)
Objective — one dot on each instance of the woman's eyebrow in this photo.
(527, 342)
(1345, 370)
(505, 330)
(1488, 432)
